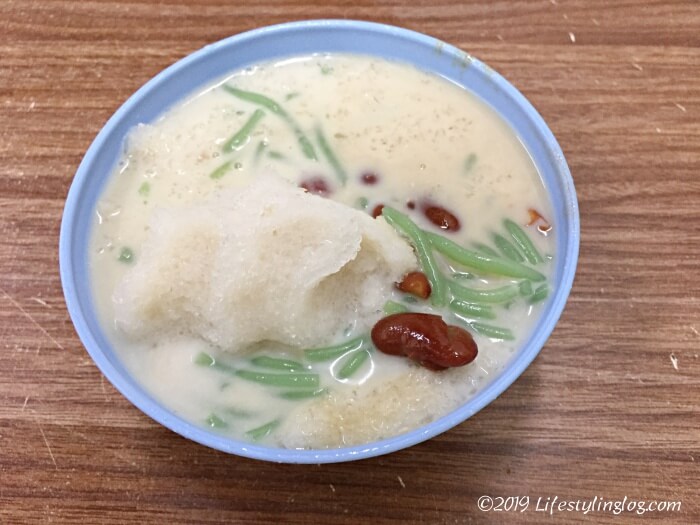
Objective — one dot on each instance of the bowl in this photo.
(208, 64)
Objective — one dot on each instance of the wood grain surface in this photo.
(610, 408)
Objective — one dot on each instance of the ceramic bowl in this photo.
(298, 38)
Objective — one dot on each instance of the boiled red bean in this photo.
(425, 339)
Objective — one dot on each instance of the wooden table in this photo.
(608, 409)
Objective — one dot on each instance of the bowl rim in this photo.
(520, 360)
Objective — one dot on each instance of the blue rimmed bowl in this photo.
(298, 38)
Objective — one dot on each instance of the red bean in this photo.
(377, 211)
(441, 218)
(425, 339)
(369, 178)
(415, 283)
(411, 205)
(535, 217)
(316, 185)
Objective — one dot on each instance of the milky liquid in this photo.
(424, 138)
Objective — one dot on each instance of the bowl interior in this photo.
(209, 64)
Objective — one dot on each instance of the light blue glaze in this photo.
(298, 38)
